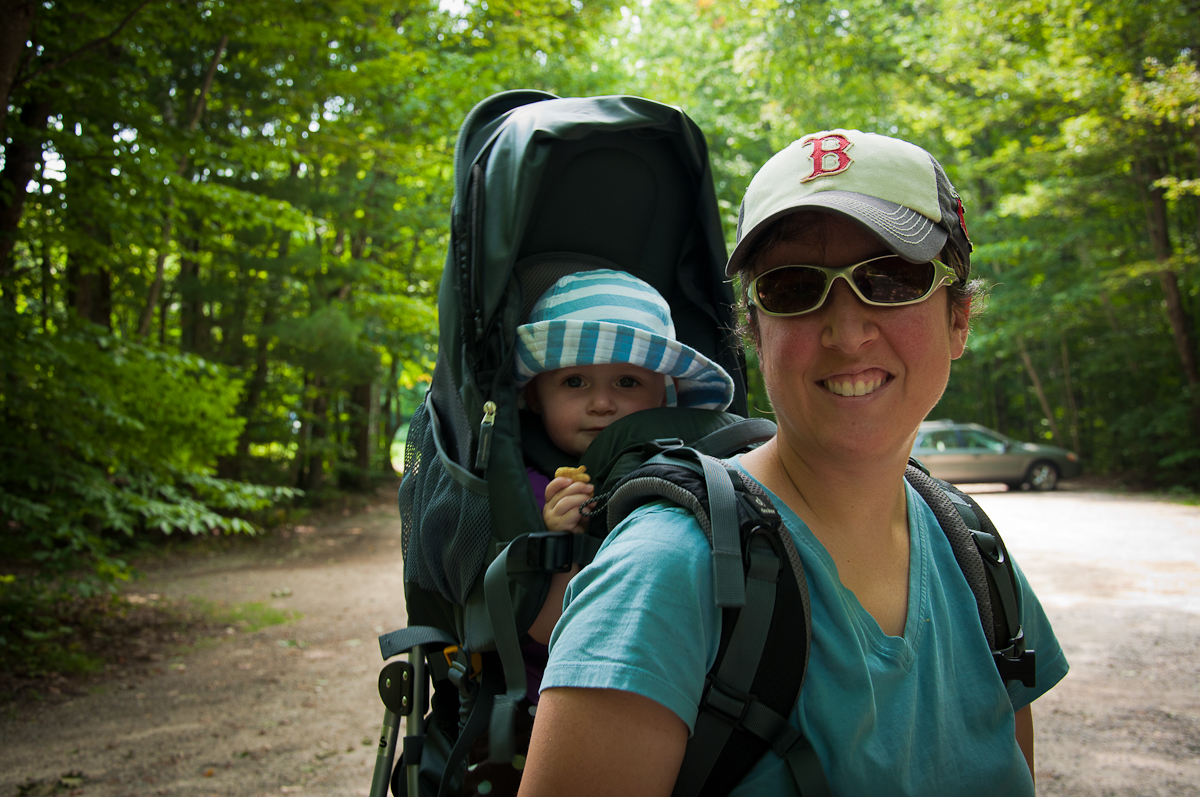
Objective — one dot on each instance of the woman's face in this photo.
(849, 380)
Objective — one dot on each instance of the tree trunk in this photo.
(192, 329)
(363, 417)
(232, 350)
(89, 290)
(18, 18)
(1149, 170)
(47, 284)
(262, 367)
(1072, 412)
(160, 261)
(1158, 230)
(312, 471)
(1041, 393)
(163, 309)
(999, 395)
(391, 420)
(1181, 327)
(156, 285)
(20, 157)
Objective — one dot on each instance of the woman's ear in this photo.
(960, 328)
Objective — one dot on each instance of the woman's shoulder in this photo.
(660, 521)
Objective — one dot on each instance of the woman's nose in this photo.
(849, 324)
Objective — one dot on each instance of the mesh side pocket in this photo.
(444, 519)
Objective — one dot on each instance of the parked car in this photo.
(968, 452)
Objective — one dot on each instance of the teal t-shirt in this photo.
(923, 714)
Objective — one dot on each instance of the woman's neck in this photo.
(868, 496)
(860, 516)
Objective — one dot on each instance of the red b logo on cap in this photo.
(824, 147)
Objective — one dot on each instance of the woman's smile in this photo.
(863, 383)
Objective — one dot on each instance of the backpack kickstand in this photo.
(399, 683)
(404, 690)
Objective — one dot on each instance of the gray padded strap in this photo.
(735, 437)
(961, 542)
(729, 585)
(633, 493)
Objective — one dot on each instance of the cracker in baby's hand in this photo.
(574, 474)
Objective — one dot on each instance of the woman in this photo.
(902, 695)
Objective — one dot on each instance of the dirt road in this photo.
(292, 709)
(1120, 579)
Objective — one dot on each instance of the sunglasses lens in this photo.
(795, 289)
(791, 290)
(893, 280)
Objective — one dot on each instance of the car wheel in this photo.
(1042, 476)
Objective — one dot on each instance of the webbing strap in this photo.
(555, 550)
(750, 633)
(726, 702)
(405, 639)
(995, 559)
(965, 510)
(771, 727)
(477, 721)
(729, 585)
(807, 771)
(508, 647)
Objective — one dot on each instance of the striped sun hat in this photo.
(603, 316)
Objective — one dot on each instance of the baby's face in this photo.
(578, 403)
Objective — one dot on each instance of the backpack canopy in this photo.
(546, 186)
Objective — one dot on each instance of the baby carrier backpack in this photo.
(544, 187)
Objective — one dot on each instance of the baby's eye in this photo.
(628, 381)
(573, 381)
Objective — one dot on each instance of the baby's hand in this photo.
(565, 498)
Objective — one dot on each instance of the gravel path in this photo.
(1120, 580)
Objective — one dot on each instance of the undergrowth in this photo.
(50, 640)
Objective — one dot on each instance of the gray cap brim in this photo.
(905, 232)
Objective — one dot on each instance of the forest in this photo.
(223, 224)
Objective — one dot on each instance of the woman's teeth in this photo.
(853, 387)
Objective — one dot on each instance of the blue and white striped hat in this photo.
(603, 316)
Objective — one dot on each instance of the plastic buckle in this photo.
(550, 550)
(1015, 663)
(726, 704)
(458, 672)
(661, 445)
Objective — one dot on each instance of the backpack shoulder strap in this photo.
(762, 656)
(736, 437)
(984, 560)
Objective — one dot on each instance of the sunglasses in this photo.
(887, 281)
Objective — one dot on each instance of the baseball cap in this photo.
(895, 189)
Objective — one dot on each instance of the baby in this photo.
(600, 345)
